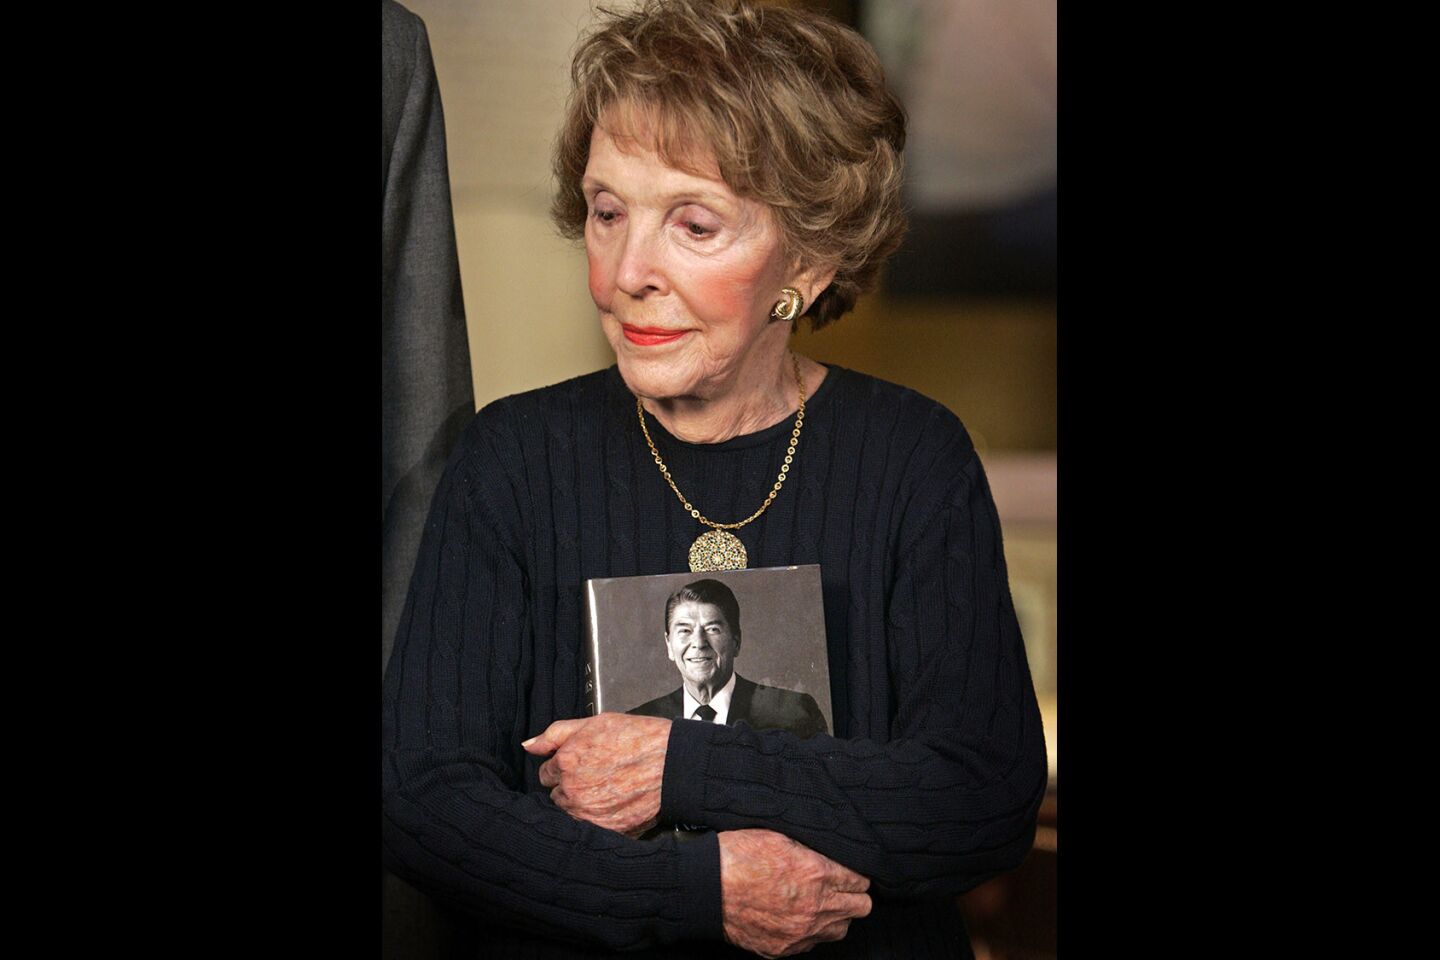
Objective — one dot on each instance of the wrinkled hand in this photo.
(605, 769)
(780, 897)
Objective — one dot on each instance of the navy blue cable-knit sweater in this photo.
(931, 783)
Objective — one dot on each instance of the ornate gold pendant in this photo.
(717, 550)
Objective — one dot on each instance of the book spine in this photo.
(592, 653)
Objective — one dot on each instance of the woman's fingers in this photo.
(553, 737)
(848, 906)
(844, 879)
(780, 898)
(834, 931)
(605, 769)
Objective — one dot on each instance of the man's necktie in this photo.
(705, 712)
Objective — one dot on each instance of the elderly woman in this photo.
(731, 168)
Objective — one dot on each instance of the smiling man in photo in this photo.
(702, 639)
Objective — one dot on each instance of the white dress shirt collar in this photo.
(720, 702)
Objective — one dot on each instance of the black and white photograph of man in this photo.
(703, 639)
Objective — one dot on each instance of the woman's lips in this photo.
(650, 336)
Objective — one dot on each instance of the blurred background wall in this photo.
(503, 67)
(967, 314)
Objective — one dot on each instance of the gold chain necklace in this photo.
(716, 549)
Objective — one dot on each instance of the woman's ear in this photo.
(809, 284)
(813, 282)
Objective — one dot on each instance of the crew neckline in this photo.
(767, 435)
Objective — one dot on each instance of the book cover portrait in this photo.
(752, 639)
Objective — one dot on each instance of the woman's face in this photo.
(684, 273)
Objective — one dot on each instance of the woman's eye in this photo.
(605, 216)
(696, 230)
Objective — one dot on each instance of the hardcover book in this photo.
(729, 646)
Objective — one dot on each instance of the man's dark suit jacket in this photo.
(426, 395)
(759, 706)
(425, 391)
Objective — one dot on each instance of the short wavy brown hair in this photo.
(792, 105)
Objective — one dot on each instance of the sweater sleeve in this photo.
(951, 798)
(458, 818)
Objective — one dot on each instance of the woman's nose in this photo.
(640, 269)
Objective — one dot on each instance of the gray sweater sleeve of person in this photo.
(427, 397)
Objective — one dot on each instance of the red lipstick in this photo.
(650, 336)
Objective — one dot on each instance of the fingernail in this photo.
(526, 743)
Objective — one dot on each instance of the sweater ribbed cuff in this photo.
(682, 786)
(699, 867)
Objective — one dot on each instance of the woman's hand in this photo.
(780, 897)
(605, 769)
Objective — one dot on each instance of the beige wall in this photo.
(503, 67)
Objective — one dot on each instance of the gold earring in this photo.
(790, 306)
